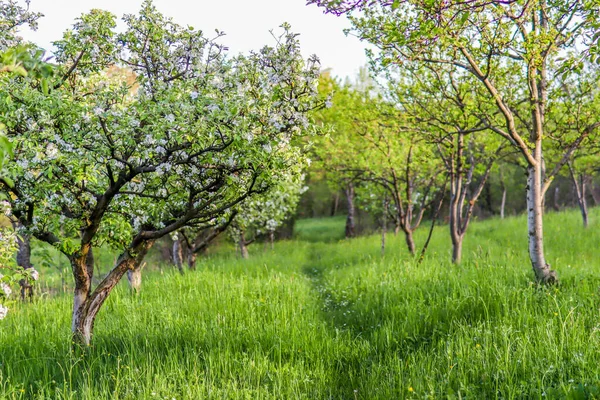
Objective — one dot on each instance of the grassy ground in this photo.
(332, 319)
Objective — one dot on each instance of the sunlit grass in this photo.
(321, 318)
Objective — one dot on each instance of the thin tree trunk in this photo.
(350, 220)
(410, 243)
(336, 202)
(433, 221)
(243, 247)
(535, 213)
(192, 260)
(24, 261)
(272, 239)
(383, 225)
(178, 255)
(503, 203)
(579, 188)
(556, 204)
(595, 195)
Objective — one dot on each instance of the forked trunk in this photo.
(86, 304)
(350, 224)
(535, 214)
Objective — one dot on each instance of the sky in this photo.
(246, 23)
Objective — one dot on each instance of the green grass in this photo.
(332, 319)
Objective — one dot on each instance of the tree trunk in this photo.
(383, 226)
(410, 243)
(134, 276)
(457, 243)
(503, 203)
(192, 260)
(178, 255)
(272, 239)
(535, 213)
(556, 204)
(89, 263)
(86, 304)
(350, 224)
(595, 194)
(24, 261)
(243, 246)
(335, 204)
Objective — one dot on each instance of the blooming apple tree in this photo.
(176, 136)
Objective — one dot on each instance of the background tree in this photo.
(483, 38)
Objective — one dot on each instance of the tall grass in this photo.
(321, 318)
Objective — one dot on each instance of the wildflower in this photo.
(410, 389)
(194, 95)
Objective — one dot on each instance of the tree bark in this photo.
(24, 261)
(178, 255)
(535, 213)
(384, 225)
(243, 247)
(86, 303)
(272, 239)
(192, 260)
(335, 203)
(350, 220)
(503, 203)
(457, 243)
(556, 204)
(410, 243)
(580, 189)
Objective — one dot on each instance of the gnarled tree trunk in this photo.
(86, 303)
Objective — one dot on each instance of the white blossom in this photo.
(6, 289)
(51, 151)
(3, 311)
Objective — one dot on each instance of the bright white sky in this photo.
(246, 23)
